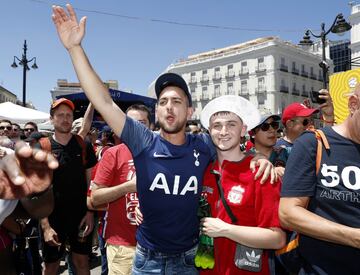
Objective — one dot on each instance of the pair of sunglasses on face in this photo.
(305, 122)
(6, 127)
(266, 126)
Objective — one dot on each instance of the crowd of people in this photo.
(143, 185)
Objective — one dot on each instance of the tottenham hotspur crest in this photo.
(196, 155)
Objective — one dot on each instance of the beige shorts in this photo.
(120, 259)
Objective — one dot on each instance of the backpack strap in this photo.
(82, 143)
(45, 145)
(321, 140)
(294, 242)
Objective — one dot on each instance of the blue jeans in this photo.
(150, 262)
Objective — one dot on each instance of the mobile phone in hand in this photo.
(315, 97)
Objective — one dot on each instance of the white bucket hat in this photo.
(238, 105)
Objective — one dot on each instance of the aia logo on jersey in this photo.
(236, 194)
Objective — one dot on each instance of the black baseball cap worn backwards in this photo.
(171, 79)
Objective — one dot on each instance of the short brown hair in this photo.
(140, 107)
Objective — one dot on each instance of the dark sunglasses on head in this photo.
(9, 128)
(29, 129)
(266, 126)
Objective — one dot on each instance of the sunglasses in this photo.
(266, 126)
(305, 122)
(29, 129)
(9, 128)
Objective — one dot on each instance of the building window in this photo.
(244, 68)
(261, 64)
(192, 77)
(294, 70)
(244, 87)
(261, 83)
(230, 89)
(304, 92)
(217, 90)
(205, 76)
(230, 71)
(217, 75)
(283, 66)
(204, 93)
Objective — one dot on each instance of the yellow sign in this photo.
(341, 85)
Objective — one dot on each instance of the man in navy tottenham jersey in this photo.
(169, 164)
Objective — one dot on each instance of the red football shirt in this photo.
(116, 167)
(252, 203)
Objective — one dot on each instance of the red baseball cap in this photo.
(62, 100)
(296, 109)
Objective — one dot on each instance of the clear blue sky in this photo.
(135, 51)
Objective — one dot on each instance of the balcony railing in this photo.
(204, 97)
(284, 68)
(260, 89)
(261, 68)
(313, 76)
(295, 71)
(193, 80)
(217, 76)
(244, 91)
(295, 91)
(304, 74)
(230, 74)
(304, 94)
(244, 71)
(284, 89)
(230, 92)
(205, 78)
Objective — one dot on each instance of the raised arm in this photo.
(86, 122)
(71, 32)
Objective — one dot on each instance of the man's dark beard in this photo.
(174, 131)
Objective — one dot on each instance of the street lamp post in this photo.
(339, 26)
(24, 63)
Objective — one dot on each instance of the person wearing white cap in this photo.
(255, 226)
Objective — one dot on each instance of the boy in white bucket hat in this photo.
(255, 225)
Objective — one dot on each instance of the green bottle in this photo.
(205, 254)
